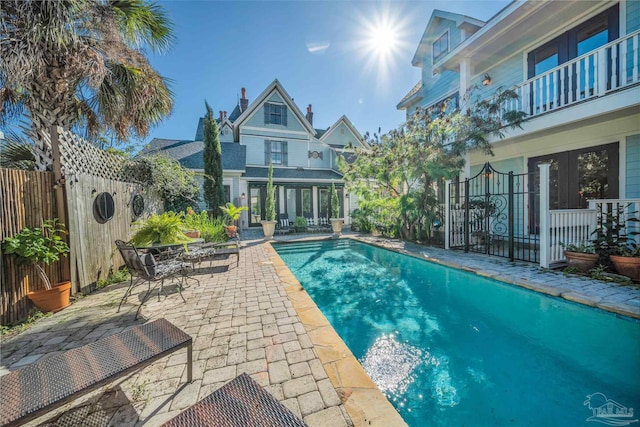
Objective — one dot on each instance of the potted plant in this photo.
(615, 245)
(189, 219)
(42, 246)
(627, 260)
(336, 223)
(300, 224)
(269, 224)
(232, 212)
(582, 257)
(163, 229)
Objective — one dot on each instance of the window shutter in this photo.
(267, 152)
(285, 156)
(266, 112)
(284, 115)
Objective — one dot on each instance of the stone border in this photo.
(363, 400)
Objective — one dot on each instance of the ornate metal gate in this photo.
(495, 213)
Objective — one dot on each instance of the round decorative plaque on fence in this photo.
(137, 205)
(104, 207)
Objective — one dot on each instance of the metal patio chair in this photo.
(145, 268)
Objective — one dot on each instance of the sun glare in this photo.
(381, 41)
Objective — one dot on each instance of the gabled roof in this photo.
(415, 94)
(425, 44)
(351, 128)
(235, 113)
(190, 153)
(275, 86)
(200, 129)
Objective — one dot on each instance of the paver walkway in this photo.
(241, 321)
(245, 320)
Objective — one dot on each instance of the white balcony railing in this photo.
(606, 69)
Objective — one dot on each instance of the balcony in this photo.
(603, 71)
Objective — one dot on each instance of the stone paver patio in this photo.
(257, 319)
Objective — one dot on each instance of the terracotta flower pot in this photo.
(54, 299)
(231, 230)
(194, 234)
(627, 266)
(581, 261)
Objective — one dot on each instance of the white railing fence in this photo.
(575, 226)
(606, 69)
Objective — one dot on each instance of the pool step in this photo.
(314, 246)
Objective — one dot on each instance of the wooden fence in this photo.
(26, 199)
(93, 252)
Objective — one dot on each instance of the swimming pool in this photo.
(450, 348)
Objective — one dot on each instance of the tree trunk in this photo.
(48, 108)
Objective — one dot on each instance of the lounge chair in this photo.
(283, 225)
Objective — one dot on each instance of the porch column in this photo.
(544, 214)
(447, 213)
(465, 78)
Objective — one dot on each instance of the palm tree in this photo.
(80, 63)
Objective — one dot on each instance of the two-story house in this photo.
(575, 67)
(272, 129)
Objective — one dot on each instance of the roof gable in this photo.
(425, 41)
(274, 89)
(344, 123)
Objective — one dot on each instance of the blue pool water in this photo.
(449, 348)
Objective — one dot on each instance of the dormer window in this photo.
(440, 46)
(275, 114)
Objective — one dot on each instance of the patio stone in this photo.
(279, 372)
(299, 386)
(330, 417)
(310, 403)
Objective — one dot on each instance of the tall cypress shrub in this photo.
(270, 204)
(214, 194)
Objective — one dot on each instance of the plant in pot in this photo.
(336, 223)
(582, 257)
(615, 246)
(269, 223)
(232, 213)
(164, 229)
(627, 260)
(300, 224)
(189, 221)
(40, 246)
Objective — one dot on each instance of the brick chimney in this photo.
(220, 116)
(225, 115)
(244, 102)
(309, 115)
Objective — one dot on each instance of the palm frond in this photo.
(16, 152)
(143, 24)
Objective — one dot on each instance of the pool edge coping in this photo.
(364, 401)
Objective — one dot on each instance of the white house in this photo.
(273, 129)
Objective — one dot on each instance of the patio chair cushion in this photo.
(284, 223)
(310, 222)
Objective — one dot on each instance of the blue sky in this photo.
(321, 51)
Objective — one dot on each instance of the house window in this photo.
(324, 201)
(441, 46)
(579, 175)
(227, 193)
(257, 203)
(275, 114)
(275, 152)
(299, 202)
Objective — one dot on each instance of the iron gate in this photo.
(496, 213)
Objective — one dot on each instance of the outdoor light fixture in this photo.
(486, 80)
(243, 196)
